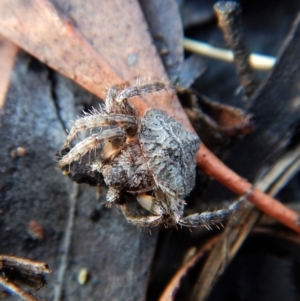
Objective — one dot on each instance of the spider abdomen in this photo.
(170, 151)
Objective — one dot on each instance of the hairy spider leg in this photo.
(90, 143)
(134, 91)
(97, 119)
(115, 107)
(211, 218)
(111, 99)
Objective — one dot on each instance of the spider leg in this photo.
(97, 119)
(90, 143)
(211, 218)
(141, 221)
(111, 98)
(134, 91)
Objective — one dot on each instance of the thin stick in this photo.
(31, 266)
(229, 20)
(256, 61)
(214, 167)
(65, 248)
(170, 290)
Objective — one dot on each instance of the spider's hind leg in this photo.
(91, 143)
(211, 218)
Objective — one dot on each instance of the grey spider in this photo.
(151, 157)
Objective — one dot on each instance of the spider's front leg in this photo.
(91, 143)
(135, 91)
(117, 96)
(211, 218)
(97, 119)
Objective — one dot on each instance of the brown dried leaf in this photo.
(41, 30)
(214, 122)
(231, 121)
(8, 53)
(97, 44)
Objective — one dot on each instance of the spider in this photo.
(150, 157)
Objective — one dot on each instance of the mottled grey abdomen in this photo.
(171, 151)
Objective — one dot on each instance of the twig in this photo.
(256, 61)
(268, 221)
(214, 167)
(30, 266)
(170, 290)
(284, 170)
(229, 17)
(25, 271)
(66, 244)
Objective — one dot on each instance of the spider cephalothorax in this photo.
(152, 158)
